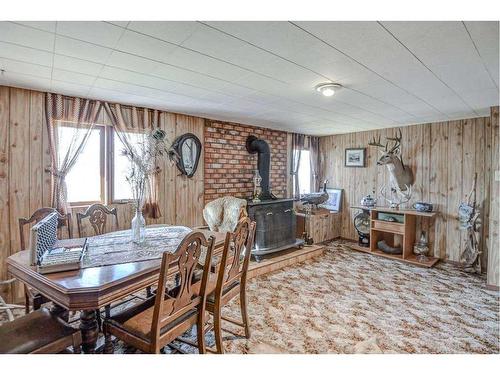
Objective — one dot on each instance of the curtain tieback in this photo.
(56, 173)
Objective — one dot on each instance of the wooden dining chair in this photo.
(97, 215)
(232, 278)
(33, 298)
(159, 320)
(38, 332)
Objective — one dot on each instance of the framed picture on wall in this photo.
(355, 157)
(334, 202)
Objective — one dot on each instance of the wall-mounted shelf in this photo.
(398, 233)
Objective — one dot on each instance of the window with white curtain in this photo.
(304, 172)
(98, 175)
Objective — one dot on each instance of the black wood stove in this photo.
(275, 218)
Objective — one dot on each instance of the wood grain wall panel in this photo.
(169, 172)
(36, 174)
(443, 156)
(19, 189)
(438, 184)
(4, 183)
(493, 277)
(189, 191)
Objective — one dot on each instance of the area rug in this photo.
(351, 302)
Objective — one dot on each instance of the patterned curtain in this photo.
(297, 146)
(133, 122)
(79, 114)
(314, 160)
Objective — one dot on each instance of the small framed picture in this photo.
(355, 157)
(334, 202)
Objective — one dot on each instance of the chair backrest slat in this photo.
(98, 218)
(233, 267)
(190, 292)
(62, 220)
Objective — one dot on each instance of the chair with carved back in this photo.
(39, 332)
(34, 298)
(155, 323)
(232, 278)
(97, 215)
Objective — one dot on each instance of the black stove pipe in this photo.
(259, 146)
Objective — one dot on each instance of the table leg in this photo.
(89, 328)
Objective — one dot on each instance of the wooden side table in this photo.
(321, 225)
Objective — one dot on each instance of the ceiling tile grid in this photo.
(265, 73)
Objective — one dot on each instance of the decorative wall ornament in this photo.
(355, 157)
(186, 150)
(401, 176)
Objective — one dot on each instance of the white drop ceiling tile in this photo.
(24, 81)
(464, 78)
(26, 36)
(77, 65)
(288, 42)
(25, 54)
(49, 26)
(19, 67)
(481, 99)
(436, 43)
(123, 24)
(82, 50)
(144, 46)
(131, 62)
(73, 77)
(100, 33)
(157, 83)
(204, 65)
(173, 31)
(69, 88)
(485, 35)
(139, 90)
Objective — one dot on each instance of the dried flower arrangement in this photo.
(144, 163)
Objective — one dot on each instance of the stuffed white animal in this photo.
(223, 214)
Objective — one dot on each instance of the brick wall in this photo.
(229, 168)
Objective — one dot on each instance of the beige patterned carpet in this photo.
(351, 302)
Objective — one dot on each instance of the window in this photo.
(121, 188)
(99, 174)
(304, 172)
(85, 179)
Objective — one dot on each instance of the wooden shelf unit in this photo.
(395, 234)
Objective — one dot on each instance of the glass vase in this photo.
(138, 227)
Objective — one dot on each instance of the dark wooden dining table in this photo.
(89, 289)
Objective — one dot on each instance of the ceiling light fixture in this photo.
(328, 89)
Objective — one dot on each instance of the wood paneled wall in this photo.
(25, 186)
(494, 224)
(443, 156)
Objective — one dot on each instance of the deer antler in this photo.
(397, 141)
(376, 143)
(397, 197)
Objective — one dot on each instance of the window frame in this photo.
(102, 165)
(106, 165)
(111, 169)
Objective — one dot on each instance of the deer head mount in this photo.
(401, 175)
